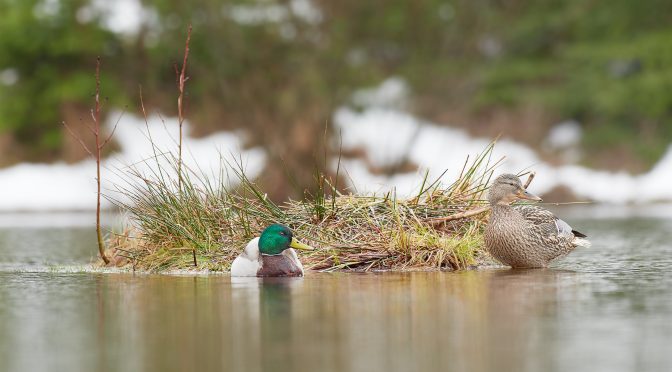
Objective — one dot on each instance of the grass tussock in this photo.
(172, 217)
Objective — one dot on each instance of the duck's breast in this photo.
(278, 265)
(507, 238)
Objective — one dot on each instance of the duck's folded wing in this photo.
(547, 221)
(535, 215)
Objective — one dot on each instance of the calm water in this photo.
(604, 309)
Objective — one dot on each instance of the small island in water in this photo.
(179, 220)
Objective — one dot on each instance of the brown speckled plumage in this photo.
(525, 236)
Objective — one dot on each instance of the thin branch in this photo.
(113, 130)
(93, 131)
(180, 108)
(96, 122)
(457, 216)
(67, 127)
(180, 114)
(94, 116)
(529, 179)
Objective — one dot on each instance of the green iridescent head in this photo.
(276, 238)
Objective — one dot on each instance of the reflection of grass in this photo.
(349, 231)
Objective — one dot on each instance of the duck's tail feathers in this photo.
(579, 234)
(581, 242)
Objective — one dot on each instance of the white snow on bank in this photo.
(564, 135)
(33, 187)
(388, 135)
(269, 12)
(392, 93)
(120, 16)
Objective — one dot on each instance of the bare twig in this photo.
(457, 216)
(91, 129)
(180, 115)
(529, 179)
(180, 107)
(95, 131)
(96, 123)
(76, 137)
(113, 130)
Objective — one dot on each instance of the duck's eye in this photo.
(283, 233)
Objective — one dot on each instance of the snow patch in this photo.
(120, 16)
(564, 135)
(388, 135)
(9, 77)
(392, 93)
(269, 12)
(60, 186)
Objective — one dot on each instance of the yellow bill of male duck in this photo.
(270, 255)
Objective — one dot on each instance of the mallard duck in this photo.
(270, 254)
(525, 236)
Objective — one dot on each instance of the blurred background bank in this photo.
(580, 92)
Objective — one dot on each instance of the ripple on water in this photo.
(607, 308)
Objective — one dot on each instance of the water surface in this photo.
(608, 308)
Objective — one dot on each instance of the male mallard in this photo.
(525, 236)
(271, 254)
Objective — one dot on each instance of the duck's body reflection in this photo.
(267, 305)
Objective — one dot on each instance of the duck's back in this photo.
(546, 220)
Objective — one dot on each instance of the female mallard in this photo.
(271, 254)
(525, 236)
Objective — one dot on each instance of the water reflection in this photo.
(608, 308)
(522, 305)
(29, 246)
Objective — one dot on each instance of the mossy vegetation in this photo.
(167, 222)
